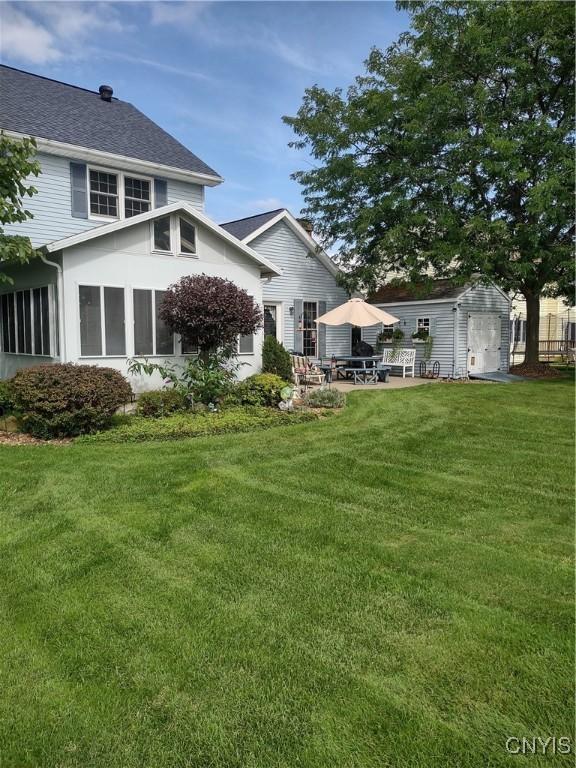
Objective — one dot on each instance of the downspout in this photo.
(60, 301)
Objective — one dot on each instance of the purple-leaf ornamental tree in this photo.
(210, 312)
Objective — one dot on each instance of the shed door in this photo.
(484, 341)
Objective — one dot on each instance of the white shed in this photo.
(469, 324)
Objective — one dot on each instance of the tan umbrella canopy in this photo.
(357, 312)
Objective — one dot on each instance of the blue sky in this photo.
(218, 76)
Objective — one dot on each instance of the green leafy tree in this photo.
(453, 155)
(17, 164)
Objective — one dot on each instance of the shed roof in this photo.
(38, 106)
(434, 290)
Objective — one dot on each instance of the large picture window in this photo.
(102, 326)
(151, 334)
(25, 322)
(309, 330)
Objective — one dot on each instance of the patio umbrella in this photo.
(357, 312)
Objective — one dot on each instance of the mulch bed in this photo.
(536, 371)
(19, 438)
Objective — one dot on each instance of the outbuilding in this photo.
(469, 325)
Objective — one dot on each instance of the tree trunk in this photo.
(532, 327)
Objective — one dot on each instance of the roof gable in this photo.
(56, 111)
(268, 269)
(254, 226)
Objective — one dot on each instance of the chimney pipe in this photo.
(105, 92)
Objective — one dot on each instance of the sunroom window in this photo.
(102, 330)
(25, 322)
(151, 335)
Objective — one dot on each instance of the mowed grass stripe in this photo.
(390, 587)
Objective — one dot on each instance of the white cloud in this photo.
(23, 39)
(196, 19)
(189, 73)
(176, 12)
(263, 204)
(40, 32)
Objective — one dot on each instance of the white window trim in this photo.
(51, 315)
(153, 301)
(175, 244)
(120, 176)
(102, 323)
(310, 301)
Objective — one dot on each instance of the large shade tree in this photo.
(210, 312)
(453, 155)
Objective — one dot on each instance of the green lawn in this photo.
(389, 587)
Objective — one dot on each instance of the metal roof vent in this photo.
(105, 92)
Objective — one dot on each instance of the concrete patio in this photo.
(394, 382)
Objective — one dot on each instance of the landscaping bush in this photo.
(67, 400)
(259, 389)
(325, 398)
(6, 398)
(276, 359)
(161, 402)
(185, 425)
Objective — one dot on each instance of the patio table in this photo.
(355, 367)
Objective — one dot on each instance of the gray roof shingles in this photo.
(241, 228)
(435, 289)
(44, 108)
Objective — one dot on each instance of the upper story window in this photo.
(175, 235)
(103, 193)
(136, 196)
(117, 195)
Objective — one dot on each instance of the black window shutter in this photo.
(321, 330)
(298, 335)
(160, 193)
(79, 192)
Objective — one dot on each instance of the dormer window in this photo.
(175, 235)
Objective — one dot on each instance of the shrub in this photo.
(259, 389)
(325, 398)
(204, 379)
(6, 398)
(161, 402)
(185, 425)
(276, 359)
(65, 400)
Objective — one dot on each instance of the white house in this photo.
(118, 217)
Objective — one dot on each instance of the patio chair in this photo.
(304, 372)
